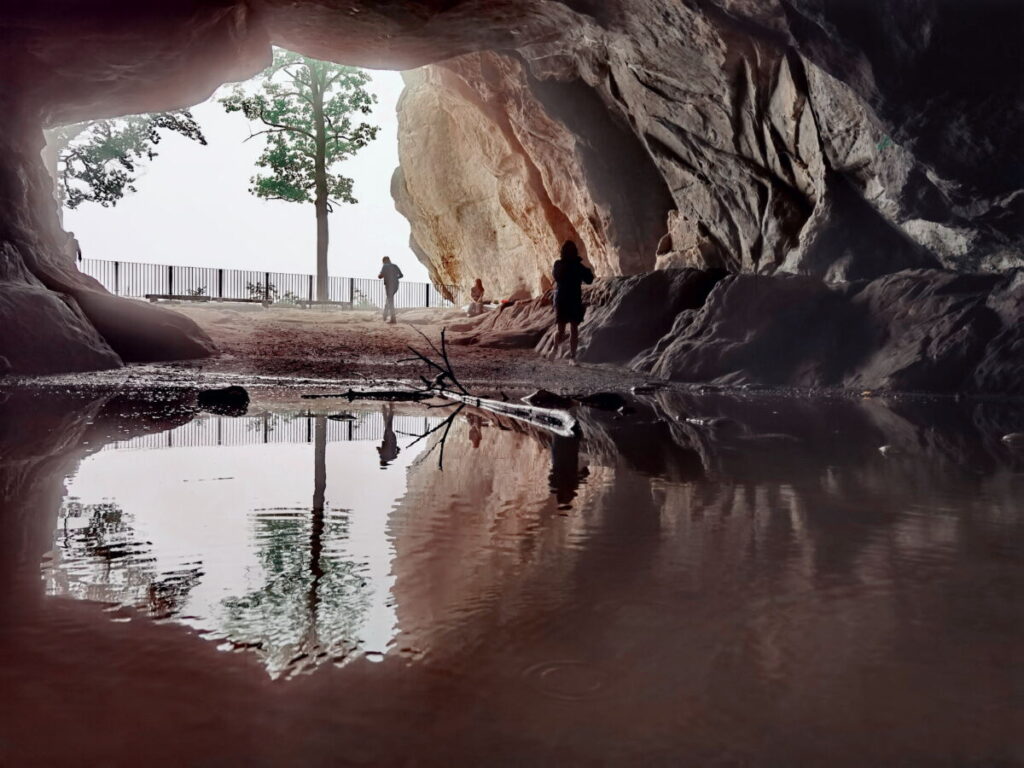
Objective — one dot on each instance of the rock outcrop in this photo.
(800, 136)
(922, 330)
(930, 331)
(493, 179)
(807, 137)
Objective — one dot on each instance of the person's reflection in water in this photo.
(475, 422)
(566, 474)
(388, 448)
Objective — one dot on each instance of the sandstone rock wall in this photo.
(811, 137)
(924, 330)
(498, 169)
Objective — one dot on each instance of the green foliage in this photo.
(103, 559)
(97, 162)
(306, 109)
(261, 291)
(303, 607)
(268, 292)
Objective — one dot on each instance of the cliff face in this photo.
(805, 136)
(493, 177)
(811, 137)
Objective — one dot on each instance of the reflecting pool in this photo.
(707, 580)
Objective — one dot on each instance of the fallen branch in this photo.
(558, 421)
(562, 423)
(446, 369)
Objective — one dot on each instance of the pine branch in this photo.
(286, 128)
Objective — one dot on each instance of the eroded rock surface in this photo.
(493, 178)
(916, 330)
(802, 136)
(808, 137)
(922, 330)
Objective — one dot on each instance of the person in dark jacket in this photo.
(570, 274)
(388, 449)
(390, 274)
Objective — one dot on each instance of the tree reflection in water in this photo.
(311, 605)
(108, 564)
(307, 598)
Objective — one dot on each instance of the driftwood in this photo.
(445, 370)
(562, 423)
(558, 421)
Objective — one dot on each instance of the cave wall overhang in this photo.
(798, 135)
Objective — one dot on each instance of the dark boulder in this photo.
(228, 401)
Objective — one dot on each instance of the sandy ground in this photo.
(331, 344)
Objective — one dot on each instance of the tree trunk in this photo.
(320, 179)
(316, 536)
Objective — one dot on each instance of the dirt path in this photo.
(341, 345)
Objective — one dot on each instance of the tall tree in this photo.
(306, 110)
(97, 161)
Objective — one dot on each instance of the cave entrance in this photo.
(509, 170)
(169, 203)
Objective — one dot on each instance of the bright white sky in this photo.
(193, 206)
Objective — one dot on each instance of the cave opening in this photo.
(770, 513)
(176, 239)
(745, 140)
(193, 204)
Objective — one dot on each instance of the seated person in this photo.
(476, 293)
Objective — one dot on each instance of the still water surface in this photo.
(757, 586)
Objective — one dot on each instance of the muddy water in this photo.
(707, 581)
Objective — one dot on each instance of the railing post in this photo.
(266, 287)
(427, 292)
(220, 283)
(352, 291)
(170, 281)
(117, 278)
(309, 287)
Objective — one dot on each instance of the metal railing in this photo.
(210, 431)
(137, 280)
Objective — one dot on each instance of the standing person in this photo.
(73, 248)
(570, 274)
(390, 274)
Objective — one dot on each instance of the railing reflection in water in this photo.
(209, 431)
